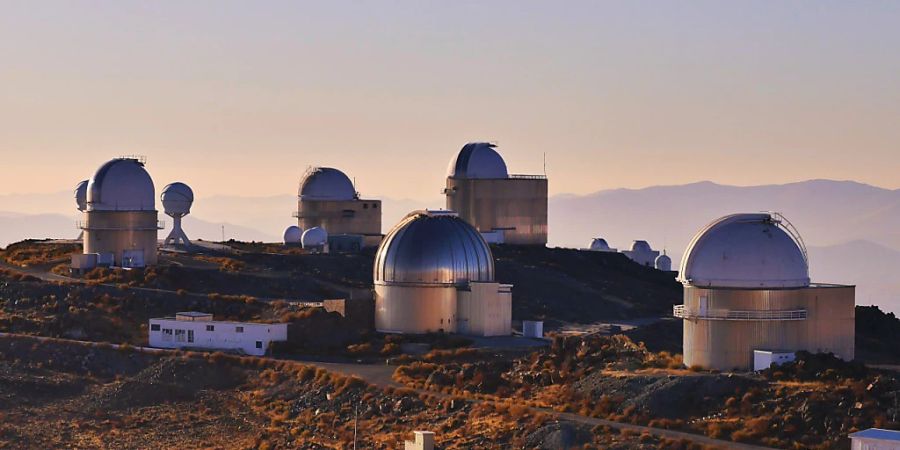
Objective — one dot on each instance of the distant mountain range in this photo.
(852, 229)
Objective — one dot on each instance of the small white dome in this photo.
(745, 251)
(314, 237)
(641, 247)
(121, 184)
(599, 244)
(177, 198)
(663, 262)
(81, 195)
(326, 183)
(477, 160)
(292, 235)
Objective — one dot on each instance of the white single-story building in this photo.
(199, 330)
(875, 439)
(764, 359)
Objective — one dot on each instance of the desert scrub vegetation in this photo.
(814, 401)
(225, 264)
(33, 252)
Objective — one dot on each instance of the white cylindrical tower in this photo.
(177, 199)
(121, 221)
(747, 288)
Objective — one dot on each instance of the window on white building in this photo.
(258, 344)
(190, 335)
(179, 335)
(238, 329)
(154, 327)
(210, 328)
(167, 334)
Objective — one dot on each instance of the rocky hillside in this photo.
(59, 394)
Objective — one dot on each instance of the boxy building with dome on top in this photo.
(120, 221)
(327, 199)
(747, 292)
(505, 208)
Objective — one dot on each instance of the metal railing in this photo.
(528, 177)
(681, 312)
(139, 158)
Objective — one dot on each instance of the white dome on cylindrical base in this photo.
(745, 251)
(121, 184)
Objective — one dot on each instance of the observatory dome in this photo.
(641, 247)
(81, 195)
(478, 160)
(314, 237)
(663, 262)
(599, 244)
(746, 251)
(433, 247)
(325, 183)
(292, 234)
(177, 198)
(121, 184)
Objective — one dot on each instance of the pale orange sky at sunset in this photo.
(239, 97)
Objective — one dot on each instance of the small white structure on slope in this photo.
(764, 359)
(292, 235)
(315, 240)
(642, 254)
(177, 199)
(875, 439)
(422, 440)
(199, 330)
(599, 244)
(663, 262)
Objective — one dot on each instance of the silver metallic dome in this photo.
(121, 184)
(746, 251)
(81, 195)
(177, 198)
(433, 247)
(326, 183)
(477, 160)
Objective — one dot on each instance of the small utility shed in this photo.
(875, 439)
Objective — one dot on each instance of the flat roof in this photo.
(193, 314)
(878, 433)
(175, 319)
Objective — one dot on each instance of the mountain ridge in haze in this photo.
(833, 216)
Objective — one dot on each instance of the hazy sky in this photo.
(240, 97)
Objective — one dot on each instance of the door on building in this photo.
(133, 258)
